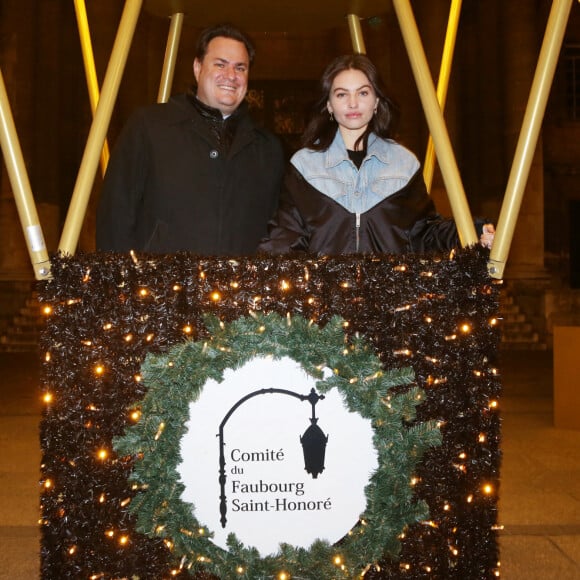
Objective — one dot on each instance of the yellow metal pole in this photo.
(356, 35)
(170, 57)
(443, 84)
(21, 187)
(80, 197)
(90, 72)
(529, 133)
(449, 169)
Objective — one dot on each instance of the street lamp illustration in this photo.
(313, 441)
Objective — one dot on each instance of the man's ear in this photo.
(196, 68)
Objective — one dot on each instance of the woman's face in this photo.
(352, 101)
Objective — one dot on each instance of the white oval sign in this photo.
(265, 496)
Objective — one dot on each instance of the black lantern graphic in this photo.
(313, 441)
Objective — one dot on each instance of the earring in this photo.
(331, 115)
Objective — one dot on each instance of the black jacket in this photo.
(178, 180)
(309, 221)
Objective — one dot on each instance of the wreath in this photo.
(176, 378)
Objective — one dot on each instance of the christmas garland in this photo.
(387, 397)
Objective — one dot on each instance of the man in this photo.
(194, 174)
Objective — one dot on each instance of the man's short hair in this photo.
(226, 31)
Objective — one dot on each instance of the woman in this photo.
(352, 188)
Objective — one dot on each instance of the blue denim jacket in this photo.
(386, 169)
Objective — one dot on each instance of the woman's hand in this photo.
(486, 239)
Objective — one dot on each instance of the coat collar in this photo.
(376, 147)
(209, 123)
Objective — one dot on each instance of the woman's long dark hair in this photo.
(321, 129)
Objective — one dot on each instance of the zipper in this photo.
(357, 231)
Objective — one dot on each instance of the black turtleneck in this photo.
(357, 156)
(222, 129)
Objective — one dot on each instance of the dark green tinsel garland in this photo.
(435, 314)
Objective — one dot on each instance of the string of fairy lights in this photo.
(180, 374)
(106, 312)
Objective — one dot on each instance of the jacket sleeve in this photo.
(435, 233)
(122, 189)
(287, 230)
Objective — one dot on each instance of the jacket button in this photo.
(213, 154)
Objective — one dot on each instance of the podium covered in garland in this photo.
(132, 342)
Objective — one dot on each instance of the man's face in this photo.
(222, 75)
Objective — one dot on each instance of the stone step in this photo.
(518, 328)
(517, 333)
(513, 318)
(18, 344)
(18, 347)
(520, 337)
(22, 333)
(509, 309)
(31, 309)
(539, 346)
(28, 321)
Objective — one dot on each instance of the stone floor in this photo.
(540, 489)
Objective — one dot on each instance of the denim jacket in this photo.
(386, 169)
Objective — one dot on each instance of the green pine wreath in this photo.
(176, 378)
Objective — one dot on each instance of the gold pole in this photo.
(170, 57)
(80, 197)
(90, 72)
(528, 138)
(449, 169)
(443, 84)
(356, 35)
(21, 187)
